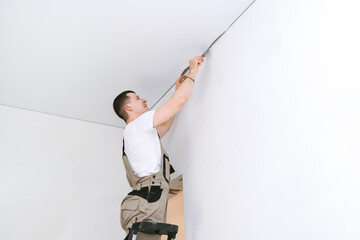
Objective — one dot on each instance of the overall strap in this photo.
(123, 148)
(167, 168)
(131, 177)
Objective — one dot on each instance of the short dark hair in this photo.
(119, 102)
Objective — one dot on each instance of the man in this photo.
(146, 162)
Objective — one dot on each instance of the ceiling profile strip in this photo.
(205, 53)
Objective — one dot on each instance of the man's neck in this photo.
(132, 118)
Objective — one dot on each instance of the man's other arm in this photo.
(165, 127)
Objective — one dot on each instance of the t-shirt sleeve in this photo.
(145, 122)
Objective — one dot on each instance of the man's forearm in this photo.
(185, 89)
(165, 114)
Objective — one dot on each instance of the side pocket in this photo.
(129, 210)
(155, 194)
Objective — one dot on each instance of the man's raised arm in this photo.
(165, 114)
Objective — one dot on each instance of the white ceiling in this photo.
(72, 58)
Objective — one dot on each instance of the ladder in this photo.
(153, 228)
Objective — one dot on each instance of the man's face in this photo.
(138, 104)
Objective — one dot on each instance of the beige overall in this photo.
(153, 206)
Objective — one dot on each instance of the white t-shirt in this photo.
(142, 145)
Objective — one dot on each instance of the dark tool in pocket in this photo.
(151, 196)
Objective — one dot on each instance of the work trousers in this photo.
(136, 208)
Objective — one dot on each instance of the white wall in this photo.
(59, 178)
(269, 142)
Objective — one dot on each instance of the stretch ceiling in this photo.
(72, 58)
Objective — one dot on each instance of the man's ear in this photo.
(127, 107)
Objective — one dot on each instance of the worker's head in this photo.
(127, 105)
